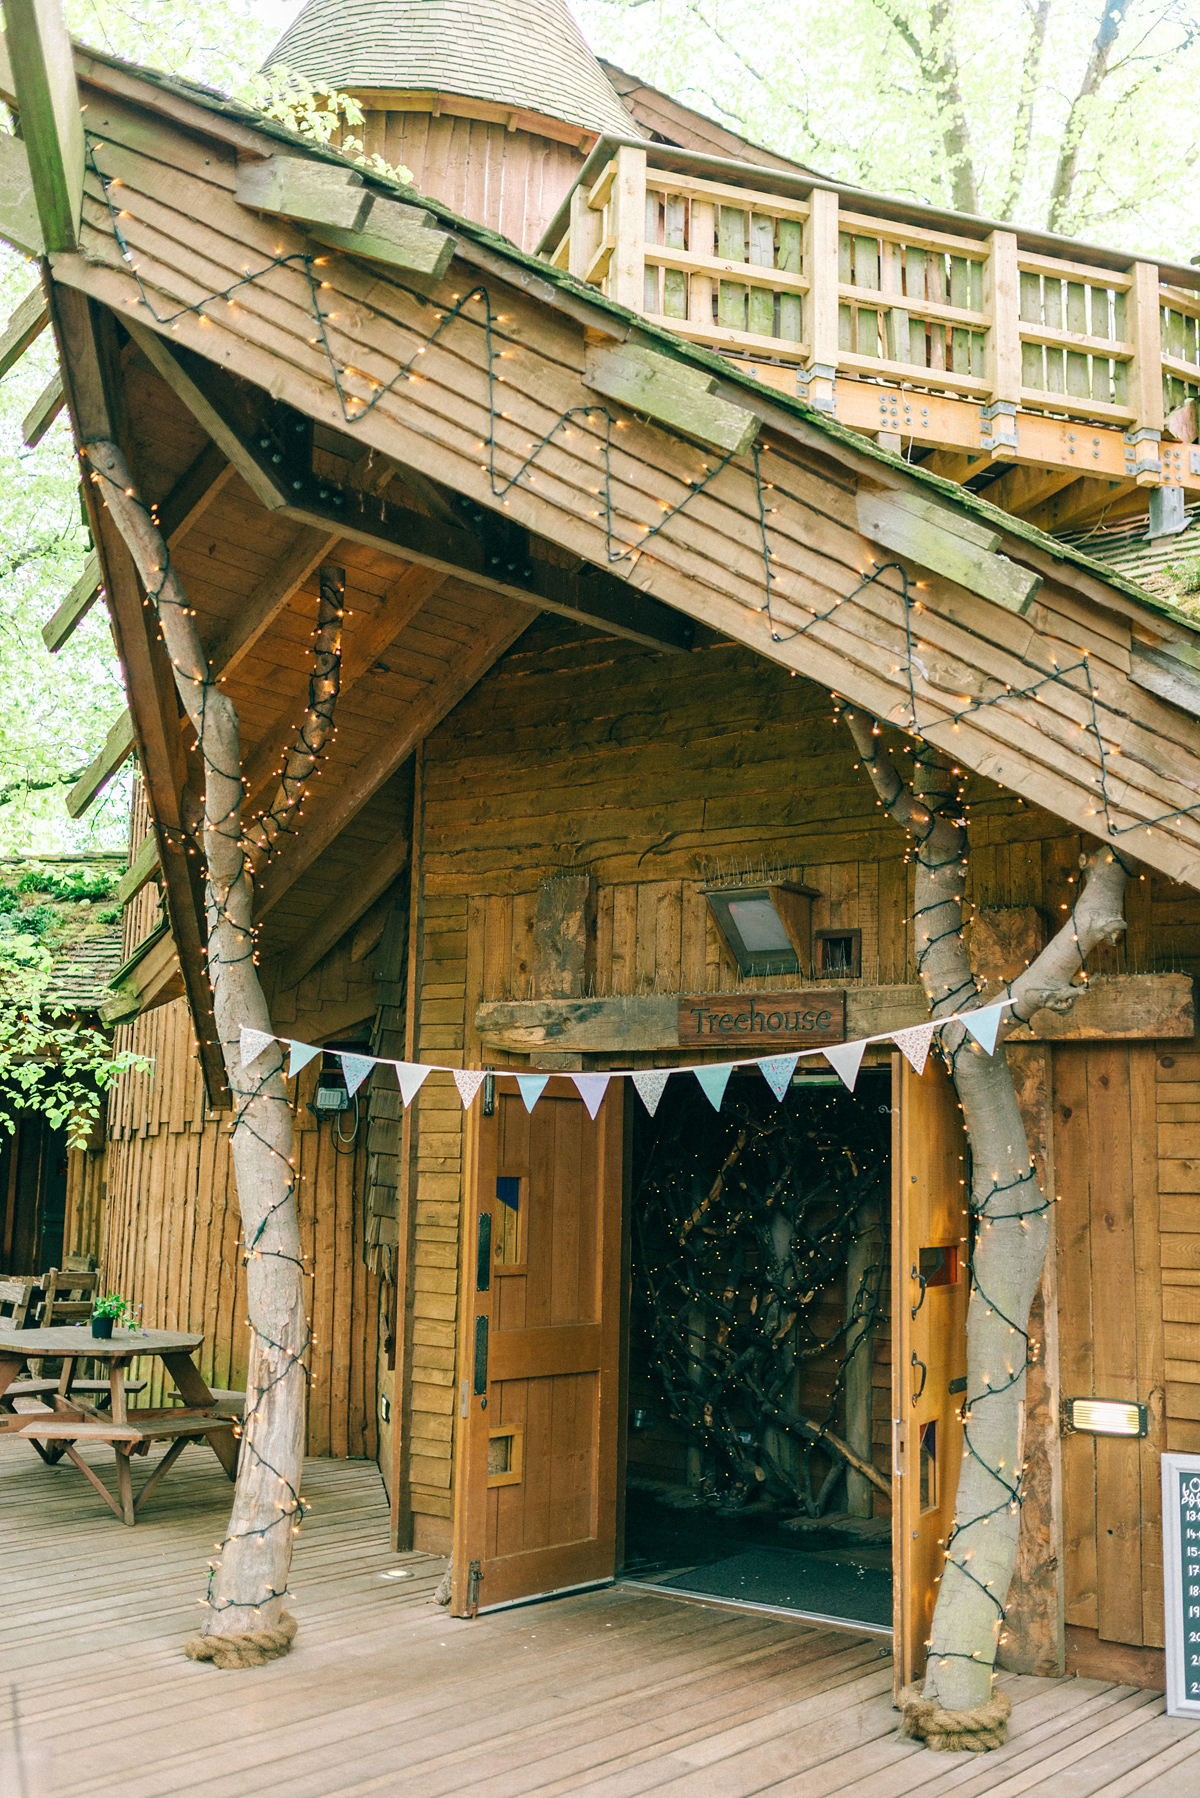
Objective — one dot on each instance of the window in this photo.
(838, 952)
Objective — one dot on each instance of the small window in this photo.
(504, 1456)
(939, 1266)
(506, 1233)
(838, 952)
(929, 1467)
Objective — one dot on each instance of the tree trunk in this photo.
(249, 1580)
(1009, 1222)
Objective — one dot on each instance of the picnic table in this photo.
(70, 1419)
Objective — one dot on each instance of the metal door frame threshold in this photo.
(514, 1604)
(771, 1610)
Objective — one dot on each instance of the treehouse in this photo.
(637, 459)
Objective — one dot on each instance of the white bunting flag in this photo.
(532, 1086)
(845, 1060)
(983, 1025)
(468, 1082)
(355, 1069)
(714, 1080)
(914, 1045)
(777, 1071)
(253, 1042)
(301, 1055)
(591, 1089)
(412, 1077)
(650, 1084)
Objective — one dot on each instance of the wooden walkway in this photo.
(609, 1694)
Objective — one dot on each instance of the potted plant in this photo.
(109, 1312)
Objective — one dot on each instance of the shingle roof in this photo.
(1167, 566)
(528, 55)
(82, 972)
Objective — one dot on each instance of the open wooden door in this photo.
(536, 1462)
(930, 1289)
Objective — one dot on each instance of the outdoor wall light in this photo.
(766, 928)
(1105, 1417)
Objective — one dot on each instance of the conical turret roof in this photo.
(526, 54)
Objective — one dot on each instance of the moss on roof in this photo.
(67, 909)
(632, 323)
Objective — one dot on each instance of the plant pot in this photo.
(102, 1327)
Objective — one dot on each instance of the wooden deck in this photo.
(609, 1694)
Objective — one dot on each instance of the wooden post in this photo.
(587, 230)
(864, 1254)
(626, 275)
(1144, 330)
(564, 946)
(43, 72)
(406, 1190)
(1002, 358)
(702, 242)
(821, 303)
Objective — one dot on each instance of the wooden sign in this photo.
(756, 1023)
(1181, 1581)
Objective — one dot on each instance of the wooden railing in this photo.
(820, 296)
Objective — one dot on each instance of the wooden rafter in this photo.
(355, 900)
(149, 683)
(43, 78)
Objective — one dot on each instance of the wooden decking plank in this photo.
(1115, 1770)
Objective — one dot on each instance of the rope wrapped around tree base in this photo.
(248, 1648)
(925, 1721)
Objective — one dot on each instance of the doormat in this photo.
(786, 1579)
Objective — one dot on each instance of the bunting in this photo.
(845, 1059)
(714, 1079)
(355, 1069)
(914, 1045)
(982, 1024)
(651, 1083)
(532, 1086)
(591, 1089)
(777, 1071)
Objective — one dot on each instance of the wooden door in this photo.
(930, 1288)
(539, 1369)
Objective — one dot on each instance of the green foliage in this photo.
(1024, 97)
(119, 1309)
(50, 1062)
(84, 885)
(325, 118)
(1186, 575)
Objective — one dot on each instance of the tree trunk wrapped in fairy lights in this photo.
(1010, 1222)
(245, 1621)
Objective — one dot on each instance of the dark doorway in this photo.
(758, 1329)
(33, 1195)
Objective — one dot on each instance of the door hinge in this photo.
(474, 1575)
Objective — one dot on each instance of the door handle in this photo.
(916, 1274)
(917, 1362)
(481, 1356)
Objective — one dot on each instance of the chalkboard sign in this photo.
(1181, 1579)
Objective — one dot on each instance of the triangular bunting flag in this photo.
(301, 1055)
(468, 1082)
(914, 1044)
(355, 1069)
(591, 1089)
(253, 1042)
(532, 1087)
(845, 1060)
(651, 1083)
(984, 1024)
(411, 1076)
(777, 1071)
(714, 1080)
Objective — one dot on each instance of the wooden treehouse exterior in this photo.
(607, 593)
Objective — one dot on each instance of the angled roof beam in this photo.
(27, 323)
(356, 898)
(151, 687)
(43, 77)
(488, 550)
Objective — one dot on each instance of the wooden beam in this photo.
(43, 75)
(1075, 504)
(357, 896)
(117, 749)
(1170, 670)
(1119, 1007)
(308, 549)
(488, 549)
(151, 977)
(337, 209)
(1023, 488)
(672, 393)
(75, 607)
(27, 323)
(149, 683)
(42, 414)
(19, 222)
(326, 818)
(939, 539)
(398, 607)
(141, 869)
